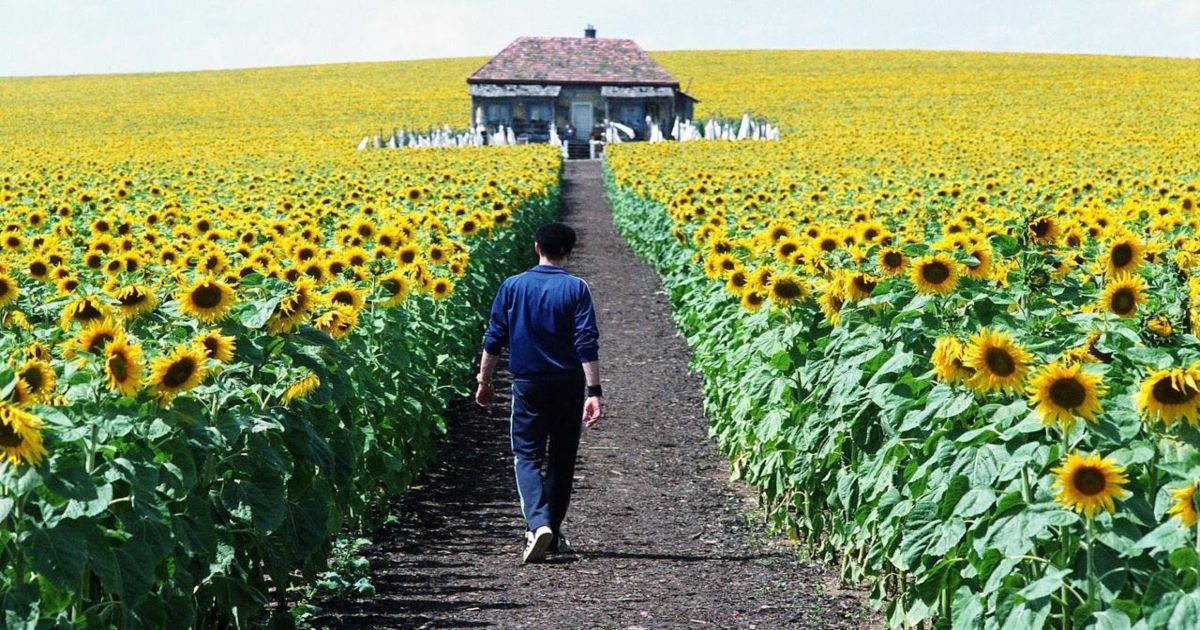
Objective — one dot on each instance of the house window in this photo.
(631, 115)
(539, 112)
(498, 113)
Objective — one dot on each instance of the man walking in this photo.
(546, 318)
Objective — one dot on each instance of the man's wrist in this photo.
(595, 391)
(483, 380)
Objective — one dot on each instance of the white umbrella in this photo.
(362, 146)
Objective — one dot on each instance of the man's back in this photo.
(546, 318)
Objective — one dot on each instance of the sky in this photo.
(41, 37)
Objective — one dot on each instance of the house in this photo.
(575, 83)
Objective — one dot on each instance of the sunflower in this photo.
(441, 288)
(123, 366)
(786, 288)
(981, 270)
(1123, 295)
(934, 274)
(1089, 483)
(1159, 325)
(892, 262)
(37, 351)
(301, 388)
(1168, 395)
(9, 291)
(17, 319)
(20, 437)
(1063, 392)
(346, 295)
(1084, 352)
(737, 282)
(1044, 229)
(134, 300)
(207, 300)
(20, 395)
(83, 311)
(859, 286)
(95, 336)
(292, 311)
(999, 363)
(753, 299)
(1185, 504)
(408, 255)
(177, 372)
(396, 287)
(1124, 255)
(337, 322)
(217, 346)
(832, 300)
(39, 378)
(947, 361)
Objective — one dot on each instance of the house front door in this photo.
(581, 120)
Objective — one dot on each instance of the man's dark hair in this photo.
(555, 239)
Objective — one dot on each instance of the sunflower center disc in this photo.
(1000, 362)
(8, 437)
(179, 372)
(864, 285)
(206, 296)
(33, 377)
(1089, 481)
(88, 312)
(1041, 227)
(1167, 394)
(1121, 255)
(132, 298)
(787, 289)
(118, 367)
(892, 259)
(935, 272)
(1068, 393)
(1123, 302)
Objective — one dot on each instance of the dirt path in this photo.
(662, 538)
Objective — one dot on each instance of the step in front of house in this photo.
(578, 151)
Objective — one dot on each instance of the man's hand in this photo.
(593, 408)
(483, 395)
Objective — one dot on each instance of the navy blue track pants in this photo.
(547, 418)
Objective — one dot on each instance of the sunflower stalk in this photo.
(1091, 563)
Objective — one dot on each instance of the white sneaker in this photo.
(536, 544)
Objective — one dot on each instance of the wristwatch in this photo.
(481, 380)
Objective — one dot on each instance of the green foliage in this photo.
(207, 511)
(938, 498)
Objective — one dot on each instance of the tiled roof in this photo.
(573, 60)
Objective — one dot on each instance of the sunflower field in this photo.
(948, 326)
(225, 340)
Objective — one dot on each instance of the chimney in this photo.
(589, 32)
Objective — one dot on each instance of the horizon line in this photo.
(118, 73)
